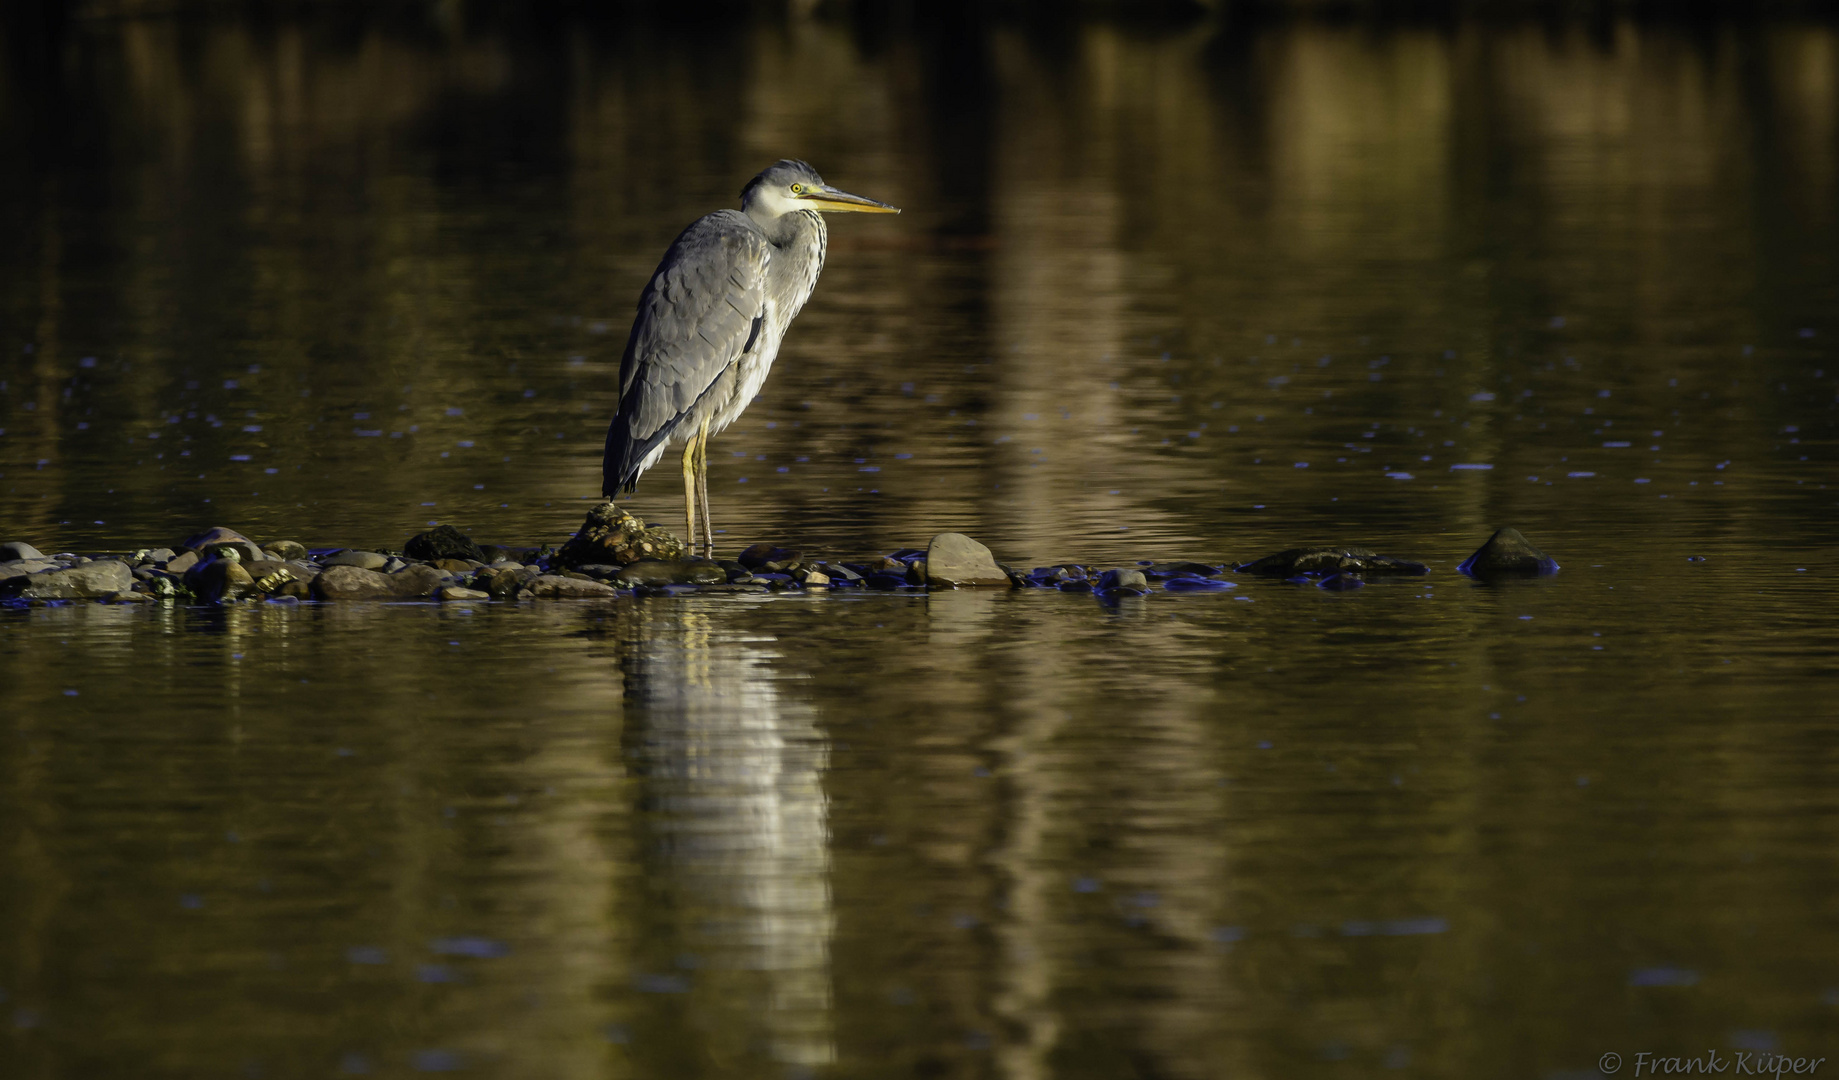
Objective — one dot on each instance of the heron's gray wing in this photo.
(702, 309)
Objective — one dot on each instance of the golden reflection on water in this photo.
(1148, 273)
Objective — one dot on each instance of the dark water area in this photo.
(1181, 285)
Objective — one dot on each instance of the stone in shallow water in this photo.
(442, 542)
(285, 550)
(567, 588)
(19, 549)
(21, 567)
(181, 562)
(363, 560)
(611, 535)
(1123, 581)
(245, 550)
(954, 560)
(221, 580)
(1341, 583)
(1329, 560)
(1508, 554)
(86, 582)
(672, 572)
(361, 584)
(455, 592)
(764, 556)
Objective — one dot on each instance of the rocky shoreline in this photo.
(615, 553)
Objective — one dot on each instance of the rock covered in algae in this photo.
(1329, 560)
(611, 535)
(1508, 554)
(954, 560)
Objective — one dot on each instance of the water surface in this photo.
(1182, 288)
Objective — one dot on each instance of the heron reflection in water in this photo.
(731, 774)
(710, 323)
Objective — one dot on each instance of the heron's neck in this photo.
(798, 240)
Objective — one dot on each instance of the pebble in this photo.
(954, 560)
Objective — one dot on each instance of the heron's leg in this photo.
(689, 492)
(702, 489)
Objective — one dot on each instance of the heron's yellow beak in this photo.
(842, 202)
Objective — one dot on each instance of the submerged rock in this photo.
(954, 560)
(611, 535)
(442, 542)
(1329, 560)
(18, 549)
(1508, 554)
(1341, 583)
(90, 581)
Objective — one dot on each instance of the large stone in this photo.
(442, 542)
(21, 567)
(611, 535)
(286, 550)
(567, 588)
(103, 577)
(216, 534)
(414, 582)
(181, 562)
(19, 549)
(363, 560)
(418, 580)
(1329, 560)
(245, 550)
(1508, 554)
(222, 580)
(954, 560)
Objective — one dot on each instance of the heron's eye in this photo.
(798, 189)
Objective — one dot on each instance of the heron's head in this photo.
(788, 185)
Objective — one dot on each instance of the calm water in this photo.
(1179, 288)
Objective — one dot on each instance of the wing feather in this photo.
(697, 316)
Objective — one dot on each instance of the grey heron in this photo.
(710, 323)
